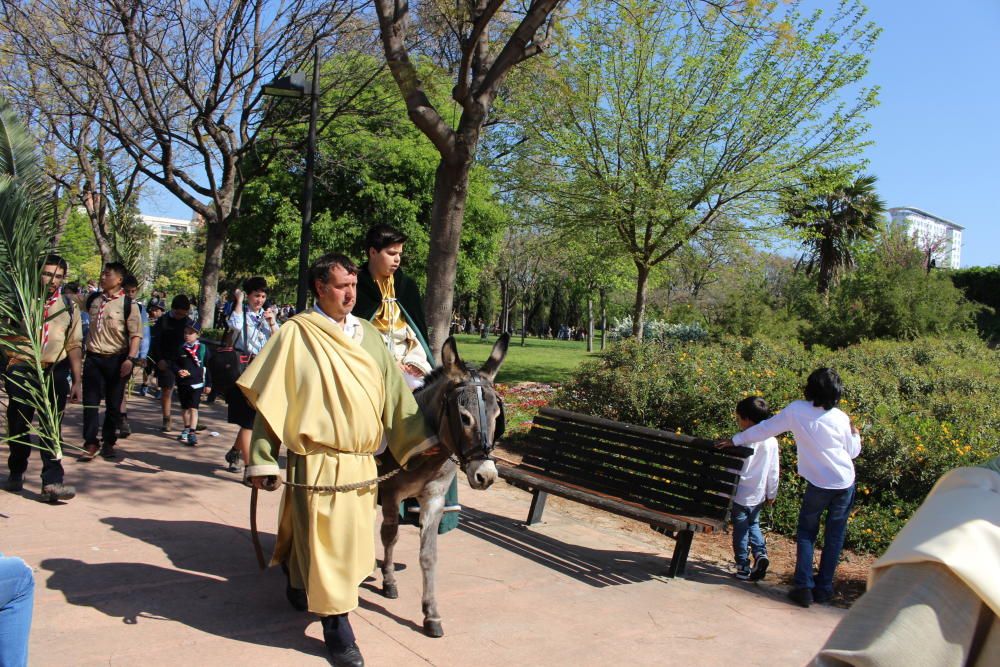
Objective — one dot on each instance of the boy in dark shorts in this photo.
(189, 368)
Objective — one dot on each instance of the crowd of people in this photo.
(333, 386)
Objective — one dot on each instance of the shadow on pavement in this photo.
(594, 567)
(216, 589)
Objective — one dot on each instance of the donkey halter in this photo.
(483, 450)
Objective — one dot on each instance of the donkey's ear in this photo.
(449, 355)
(497, 356)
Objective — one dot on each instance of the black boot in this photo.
(339, 638)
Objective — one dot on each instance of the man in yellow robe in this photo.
(327, 389)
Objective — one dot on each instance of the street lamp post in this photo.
(296, 86)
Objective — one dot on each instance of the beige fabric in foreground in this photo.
(934, 597)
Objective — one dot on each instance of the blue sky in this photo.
(936, 134)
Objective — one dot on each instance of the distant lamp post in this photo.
(296, 86)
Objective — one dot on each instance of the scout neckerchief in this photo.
(192, 349)
(48, 304)
(105, 300)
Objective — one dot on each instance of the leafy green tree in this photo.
(663, 128)
(836, 210)
(79, 248)
(372, 167)
(888, 296)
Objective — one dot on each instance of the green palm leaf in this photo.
(25, 231)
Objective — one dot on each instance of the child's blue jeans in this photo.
(17, 593)
(746, 531)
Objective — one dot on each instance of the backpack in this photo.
(127, 306)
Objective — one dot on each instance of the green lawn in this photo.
(538, 361)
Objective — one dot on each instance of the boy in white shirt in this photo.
(758, 485)
(826, 442)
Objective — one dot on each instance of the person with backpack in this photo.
(112, 353)
(188, 365)
(131, 287)
(253, 325)
(167, 337)
(61, 356)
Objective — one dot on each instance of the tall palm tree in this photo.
(836, 210)
(26, 229)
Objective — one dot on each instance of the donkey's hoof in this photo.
(390, 591)
(433, 628)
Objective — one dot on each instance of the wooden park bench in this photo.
(678, 484)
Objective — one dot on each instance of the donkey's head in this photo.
(472, 417)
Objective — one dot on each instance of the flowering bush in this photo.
(656, 330)
(924, 407)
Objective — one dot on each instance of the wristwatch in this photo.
(135, 360)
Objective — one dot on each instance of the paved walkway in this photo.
(152, 565)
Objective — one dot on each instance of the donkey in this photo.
(462, 407)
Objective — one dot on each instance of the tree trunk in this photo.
(451, 187)
(590, 323)
(604, 317)
(639, 310)
(215, 242)
(524, 317)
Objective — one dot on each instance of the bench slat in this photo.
(662, 496)
(608, 503)
(644, 462)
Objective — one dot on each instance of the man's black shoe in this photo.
(801, 596)
(124, 430)
(759, 568)
(297, 598)
(52, 493)
(232, 458)
(14, 483)
(346, 657)
(108, 453)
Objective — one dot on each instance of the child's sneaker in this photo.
(183, 437)
(742, 573)
(759, 568)
(192, 440)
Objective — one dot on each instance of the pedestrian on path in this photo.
(327, 389)
(167, 336)
(189, 366)
(62, 337)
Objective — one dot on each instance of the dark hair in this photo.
(56, 260)
(381, 237)
(824, 388)
(319, 271)
(155, 306)
(753, 408)
(117, 267)
(255, 284)
(130, 281)
(180, 302)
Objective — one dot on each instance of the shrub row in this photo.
(924, 406)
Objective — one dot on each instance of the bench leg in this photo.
(537, 507)
(678, 561)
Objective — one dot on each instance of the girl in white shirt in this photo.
(826, 442)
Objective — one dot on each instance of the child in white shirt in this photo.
(758, 485)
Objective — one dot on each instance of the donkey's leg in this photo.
(431, 509)
(389, 533)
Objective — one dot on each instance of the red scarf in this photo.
(192, 349)
(48, 304)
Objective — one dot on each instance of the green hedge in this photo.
(981, 284)
(924, 406)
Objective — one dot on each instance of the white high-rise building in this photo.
(169, 226)
(941, 237)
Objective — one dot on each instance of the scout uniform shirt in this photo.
(107, 325)
(61, 334)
